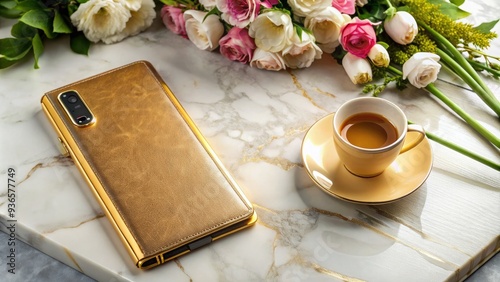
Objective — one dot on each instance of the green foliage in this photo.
(7, 11)
(79, 43)
(376, 89)
(486, 27)
(38, 21)
(375, 11)
(443, 22)
(451, 9)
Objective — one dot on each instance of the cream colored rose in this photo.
(100, 19)
(358, 69)
(302, 8)
(325, 25)
(267, 60)
(379, 56)
(205, 33)
(302, 52)
(272, 31)
(402, 28)
(208, 4)
(421, 69)
(139, 20)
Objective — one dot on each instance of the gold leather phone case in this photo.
(160, 184)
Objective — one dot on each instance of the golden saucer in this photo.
(404, 176)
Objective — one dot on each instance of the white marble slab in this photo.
(255, 120)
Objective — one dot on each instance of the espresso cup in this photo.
(370, 133)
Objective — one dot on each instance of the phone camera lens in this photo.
(72, 99)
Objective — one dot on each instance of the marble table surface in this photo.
(255, 120)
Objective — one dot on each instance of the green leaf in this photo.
(4, 63)
(28, 5)
(72, 7)
(79, 43)
(39, 19)
(384, 44)
(22, 30)
(60, 25)
(486, 27)
(37, 49)
(457, 2)
(9, 13)
(14, 48)
(8, 4)
(450, 9)
(214, 11)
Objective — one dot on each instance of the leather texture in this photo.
(160, 175)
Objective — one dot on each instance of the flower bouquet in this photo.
(386, 41)
(399, 41)
(85, 21)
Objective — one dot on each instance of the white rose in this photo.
(205, 33)
(302, 52)
(267, 60)
(272, 31)
(402, 28)
(325, 25)
(139, 20)
(208, 4)
(421, 69)
(379, 56)
(303, 8)
(132, 5)
(358, 69)
(100, 19)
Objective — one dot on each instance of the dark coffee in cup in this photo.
(369, 131)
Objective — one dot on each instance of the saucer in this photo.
(404, 176)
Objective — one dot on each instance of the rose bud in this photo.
(379, 56)
(402, 27)
(358, 69)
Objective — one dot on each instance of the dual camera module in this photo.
(76, 108)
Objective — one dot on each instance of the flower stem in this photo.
(459, 111)
(484, 67)
(489, 100)
(455, 54)
(465, 116)
(462, 150)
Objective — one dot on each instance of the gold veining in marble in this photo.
(331, 273)
(57, 160)
(331, 95)
(438, 261)
(76, 225)
(303, 91)
(283, 163)
(181, 267)
(70, 256)
(279, 162)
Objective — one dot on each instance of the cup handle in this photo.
(409, 144)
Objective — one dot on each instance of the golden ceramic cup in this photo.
(366, 162)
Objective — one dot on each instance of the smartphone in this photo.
(159, 182)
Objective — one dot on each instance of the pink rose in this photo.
(358, 37)
(345, 6)
(174, 20)
(237, 45)
(238, 13)
(269, 3)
